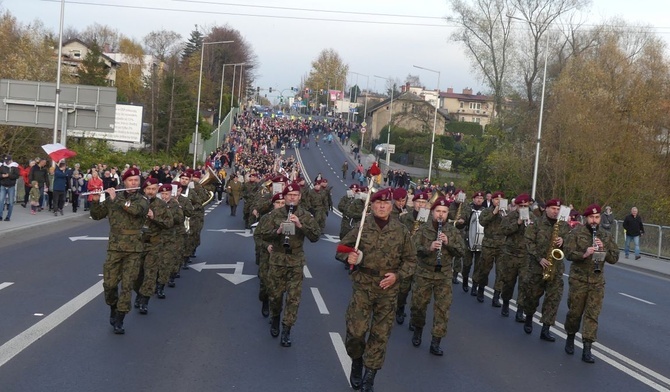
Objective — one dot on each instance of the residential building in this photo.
(74, 53)
(468, 107)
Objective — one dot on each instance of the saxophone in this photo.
(553, 255)
(417, 223)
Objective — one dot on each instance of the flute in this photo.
(101, 192)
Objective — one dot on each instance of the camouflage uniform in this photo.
(180, 247)
(249, 190)
(538, 236)
(492, 247)
(464, 214)
(198, 219)
(286, 264)
(154, 237)
(342, 206)
(586, 288)
(170, 257)
(372, 308)
(262, 256)
(430, 283)
(405, 284)
(126, 215)
(514, 260)
(318, 203)
(355, 211)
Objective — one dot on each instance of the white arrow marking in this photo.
(201, 266)
(246, 233)
(4, 285)
(636, 298)
(332, 238)
(237, 277)
(87, 238)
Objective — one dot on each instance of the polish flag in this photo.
(57, 151)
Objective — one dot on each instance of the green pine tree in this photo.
(93, 70)
(193, 44)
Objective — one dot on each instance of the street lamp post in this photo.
(232, 93)
(388, 135)
(365, 105)
(197, 113)
(437, 104)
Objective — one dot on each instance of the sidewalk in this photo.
(22, 219)
(645, 264)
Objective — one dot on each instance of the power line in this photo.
(210, 12)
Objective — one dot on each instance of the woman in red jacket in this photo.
(94, 184)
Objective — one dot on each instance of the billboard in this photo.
(127, 126)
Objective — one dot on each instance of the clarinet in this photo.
(596, 263)
(438, 267)
(286, 244)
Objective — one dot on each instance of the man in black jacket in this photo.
(9, 172)
(632, 224)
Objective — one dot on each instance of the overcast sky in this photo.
(285, 45)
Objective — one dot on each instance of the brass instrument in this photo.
(458, 213)
(553, 255)
(598, 255)
(209, 177)
(436, 195)
(417, 223)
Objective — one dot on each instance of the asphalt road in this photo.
(209, 335)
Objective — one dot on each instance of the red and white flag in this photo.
(58, 151)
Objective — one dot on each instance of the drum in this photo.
(476, 232)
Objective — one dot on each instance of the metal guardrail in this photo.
(218, 136)
(654, 242)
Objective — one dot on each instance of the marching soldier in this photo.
(588, 247)
(492, 246)
(234, 190)
(539, 245)
(458, 213)
(385, 255)
(182, 233)
(187, 191)
(287, 259)
(356, 207)
(159, 221)
(412, 224)
(399, 202)
(249, 190)
(169, 255)
(263, 250)
(472, 255)
(328, 191)
(343, 205)
(514, 261)
(433, 273)
(126, 211)
(198, 220)
(317, 199)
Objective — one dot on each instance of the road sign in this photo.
(364, 124)
(363, 130)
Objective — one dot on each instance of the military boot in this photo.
(118, 323)
(466, 287)
(495, 302)
(400, 315)
(112, 314)
(274, 328)
(435, 348)
(265, 308)
(519, 318)
(160, 291)
(416, 337)
(505, 308)
(368, 380)
(138, 299)
(586, 353)
(528, 324)
(480, 293)
(473, 290)
(356, 376)
(171, 282)
(570, 344)
(454, 278)
(184, 265)
(285, 336)
(232, 211)
(144, 305)
(546, 334)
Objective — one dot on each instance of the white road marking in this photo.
(21, 341)
(4, 285)
(638, 299)
(566, 275)
(306, 272)
(38, 314)
(341, 352)
(320, 303)
(619, 361)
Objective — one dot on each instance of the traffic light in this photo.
(258, 89)
(291, 88)
(281, 99)
(270, 89)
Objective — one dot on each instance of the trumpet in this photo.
(286, 244)
(101, 192)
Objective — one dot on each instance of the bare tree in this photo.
(163, 43)
(107, 37)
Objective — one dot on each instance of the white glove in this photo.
(360, 257)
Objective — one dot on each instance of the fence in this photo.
(218, 135)
(655, 241)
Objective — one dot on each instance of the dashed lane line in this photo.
(306, 272)
(320, 303)
(4, 285)
(637, 299)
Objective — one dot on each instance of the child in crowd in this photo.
(34, 197)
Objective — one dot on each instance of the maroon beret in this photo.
(354, 187)
(420, 196)
(176, 184)
(382, 195)
(280, 179)
(399, 193)
(554, 203)
(130, 173)
(363, 189)
(442, 201)
(292, 187)
(592, 209)
(186, 173)
(277, 196)
(197, 174)
(149, 181)
(165, 188)
(478, 193)
(522, 198)
(498, 194)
